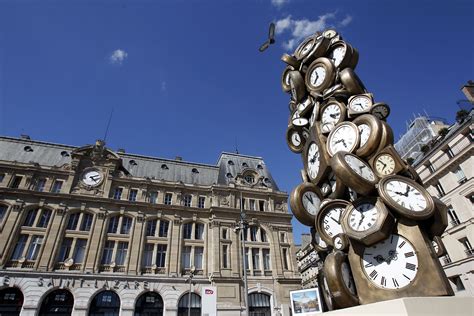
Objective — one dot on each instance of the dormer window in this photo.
(245, 165)
(195, 170)
(164, 167)
(230, 162)
(229, 175)
(28, 149)
(132, 162)
(259, 167)
(64, 153)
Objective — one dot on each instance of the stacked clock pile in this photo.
(375, 226)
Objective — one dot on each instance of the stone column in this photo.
(136, 246)
(53, 239)
(276, 254)
(93, 256)
(175, 247)
(12, 224)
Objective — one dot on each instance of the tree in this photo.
(425, 148)
(410, 160)
(443, 132)
(461, 115)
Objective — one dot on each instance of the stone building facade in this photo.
(307, 260)
(89, 231)
(447, 172)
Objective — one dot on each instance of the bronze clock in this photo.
(370, 129)
(305, 201)
(320, 75)
(339, 279)
(354, 172)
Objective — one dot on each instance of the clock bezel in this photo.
(298, 91)
(341, 119)
(316, 137)
(286, 87)
(330, 74)
(351, 81)
(336, 203)
(380, 104)
(90, 169)
(347, 59)
(374, 137)
(289, 133)
(297, 206)
(390, 151)
(291, 61)
(441, 248)
(403, 211)
(344, 242)
(351, 113)
(355, 130)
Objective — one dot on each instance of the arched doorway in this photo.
(149, 304)
(259, 305)
(106, 303)
(58, 302)
(195, 305)
(11, 301)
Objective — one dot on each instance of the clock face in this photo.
(385, 164)
(92, 178)
(337, 54)
(380, 111)
(317, 76)
(314, 114)
(311, 202)
(345, 137)
(347, 278)
(329, 33)
(360, 103)
(314, 160)
(332, 221)
(364, 132)
(300, 121)
(406, 195)
(296, 139)
(360, 167)
(391, 264)
(363, 217)
(330, 117)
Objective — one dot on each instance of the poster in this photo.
(209, 301)
(306, 302)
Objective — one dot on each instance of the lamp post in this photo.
(242, 227)
(190, 279)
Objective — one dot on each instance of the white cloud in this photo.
(346, 21)
(279, 3)
(118, 56)
(163, 86)
(300, 29)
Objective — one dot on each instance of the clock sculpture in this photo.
(375, 226)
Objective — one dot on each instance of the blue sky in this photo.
(185, 77)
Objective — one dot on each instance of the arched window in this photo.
(156, 246)
(259, 305)
(106, 303)
(11, 301)
(57, 303)
(149, 304)
(193, 303)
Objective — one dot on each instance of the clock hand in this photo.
(408, 190)
(309, 198)
(384, 165)
(335, 220)
(361, 220)
(93, 179)
(344, 142)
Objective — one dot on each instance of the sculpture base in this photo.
(410, 306)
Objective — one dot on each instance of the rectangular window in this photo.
(456, 280)
(253, 233)
(449, 152)
(161, 255)
(164, 225)
(282, 237)
(453, 216)
(460, 175)
(201, 201)
(113, 225)
(243, 203)
(108, 251)
(73, 220)
(3, 212)
(33, 249)
(80, 250)
(252, 205)
(198, 252)
(467, 246)
(121, 253)
(126, 225)
(430, 167)
(224, 233)
(261, 205)
(151, 227)
(86, 222)
(263, 236)
(187, 230)
(65, 250)
(15, 184)
(19, 247)
(199, 231)
(57, 185)
(148, 255)
(40, 183)
(118, 193)
(186, 258)
(153, 197)
(247, 265)
(256, 258)
(187, 200)
(2, 176)
(440, 189)
(285, 258)
(266, 259)
(30, 217)
(167, 200)
(44, 218)
(225, 256)
(132, 195)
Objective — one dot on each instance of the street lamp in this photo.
(242, 227)
(190, 279)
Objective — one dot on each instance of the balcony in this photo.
(111, 268)
(446, 260)
(455, 222)
(469, 252)
(154, 270)
(20, 264)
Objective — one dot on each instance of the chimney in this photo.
(178, 158)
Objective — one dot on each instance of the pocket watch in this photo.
(305, 106)
(340, 53)
(367, 220)
(339, 280)
(344, 137)
(315, 113)
(332, 113)
(319, 49)
(92, 177)
(359, 104)
(305, 47)
(438, 246)
(370, 130)
(298, 90)
(341, 242)
(325, 188)
(305, 202)
(386, 138)
(338, 188)
(437, 224)
(295, 139)
(299, 122)
(292, 106)
(391, 263)
(354, 172)
(380, 110)
(315, 159)
(330, 33)
(291, 60)
(326, 292)
(387, 162)
(406, 197)
(320, 75)
(285, 79)
(318, 244)
(328, 220)
(351, 81)
(337, 90)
